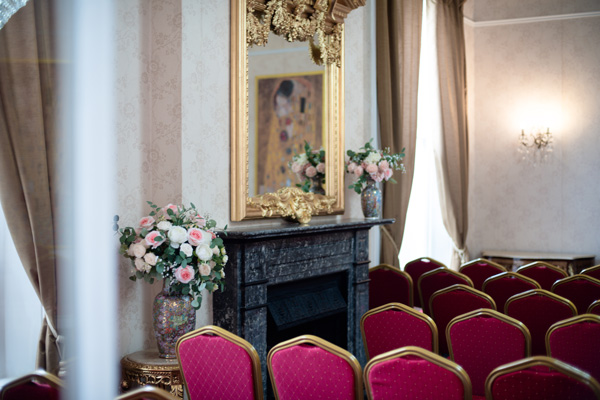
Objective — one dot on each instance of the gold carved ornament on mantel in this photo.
(293, 204)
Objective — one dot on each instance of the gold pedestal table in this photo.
(147, 368)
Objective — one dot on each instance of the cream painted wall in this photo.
(514, 69)
(172, 86)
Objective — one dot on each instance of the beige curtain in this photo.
(453, 159)
(27, 157)
(398, 51)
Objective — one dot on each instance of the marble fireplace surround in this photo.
(262, 258)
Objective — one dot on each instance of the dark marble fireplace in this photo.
(289, 280)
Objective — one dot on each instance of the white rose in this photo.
(204, 252)
(177, 235)
(151, 258)
(138, 250)
(216, 251)
(225, 258)
(215, 288)
(147, 268)
(222, 273)
(140, 265)
(164, 225)
(130, 250)
(186, 249)
(373, 158)
(302, 159)
(223, 252)
(204, 269)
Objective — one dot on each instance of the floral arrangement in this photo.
(177, 244)
(373, 164)
(308, 165)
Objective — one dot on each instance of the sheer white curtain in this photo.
(424, 232)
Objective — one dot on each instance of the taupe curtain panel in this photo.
(27, 156)
(398, 52)
(453, 161)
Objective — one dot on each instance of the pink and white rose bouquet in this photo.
(177, 244)
(309, 165)
(373, 164)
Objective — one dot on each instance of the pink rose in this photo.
(311, 171)
(388, 174)
(167, 207)
(358, 171)
(184, 275)
(383, 165)
(146, 222)
(199, 220)
(297, 168)
(198, 236)
(151, 239)
(351, 167)
(377, 177)
(321, 168)
(204, 269)
(372, 168)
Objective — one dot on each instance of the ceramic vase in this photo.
(173, 316)
(370, 200)
(317, 186)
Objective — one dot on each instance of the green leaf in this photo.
(185, 290)
(184, 263)
(144, 232)
(160, 268)
(216, 242)
(133, 278)
(159, 239)
(196, 303)
(193, 206)
(139, 275)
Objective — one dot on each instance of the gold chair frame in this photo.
(594, 304)
(460, 286)
(493, 314)
(541, 264)
(510, 274)
(236, 340)
(401, 308)
(426, 355)
(574, 278)
(436, 271)
(499, 267)
(568, 322)
(544, 293)
(590, 269)
(38, 375)
(434, 261)
(147, 392)
(398, 271)
(549, 362)
(325, 345)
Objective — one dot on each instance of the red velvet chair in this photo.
(594, 308)
(538, 309)
(389, 285)
(576, 341)
(397, 325)
(594, 271)
(484, 339)
(147, 393)
(582, 290)
(38, 385)
(540, 377)
(413, 373)
(432, 281)
(415, 269)
(308, 367)
(479, 270)
(543, 273)
(450, 302)
(217, 363)
(507, 284)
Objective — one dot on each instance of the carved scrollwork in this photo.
(292, 204)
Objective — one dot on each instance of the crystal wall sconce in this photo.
(535, 147)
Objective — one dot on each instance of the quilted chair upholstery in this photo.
(147, 393)
(594, 308)
(594, 271)
(415, 269)
(538, 309)
(540, 377)
(479, 270)
(575, 341)
(308, 367)
(450, 302)
(217, 363)
(582, 290)
(397, 325)
(485, 339)
(413, 373)
(505, 285)
(543, 273)
(432, 281)
(389, 285)
(38, 385)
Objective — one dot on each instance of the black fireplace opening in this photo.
(314, 306)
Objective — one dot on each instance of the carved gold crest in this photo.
(292, 204)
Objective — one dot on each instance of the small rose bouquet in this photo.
(373, 164)
(177, 244)
(308, 165)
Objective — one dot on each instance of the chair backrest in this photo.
(450, 302)
(308, 367)
(543, 273)
(484, 339)
(538, 309)
(213, 360)
(479, 270)
(432, 281)
(38, 385)
(540, 377)
(594, 308)
(575, 341)
(397, 325)
(505, 285)
(594, 271)
(415, 269)
(582, 290)
(389, 285)
(415, 373)
(147, 393)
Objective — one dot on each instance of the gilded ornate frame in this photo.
(240, 207)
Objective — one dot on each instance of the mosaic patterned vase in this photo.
(370, 200)
(317, 186)
(174, 316)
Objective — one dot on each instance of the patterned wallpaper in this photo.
(172, 85)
